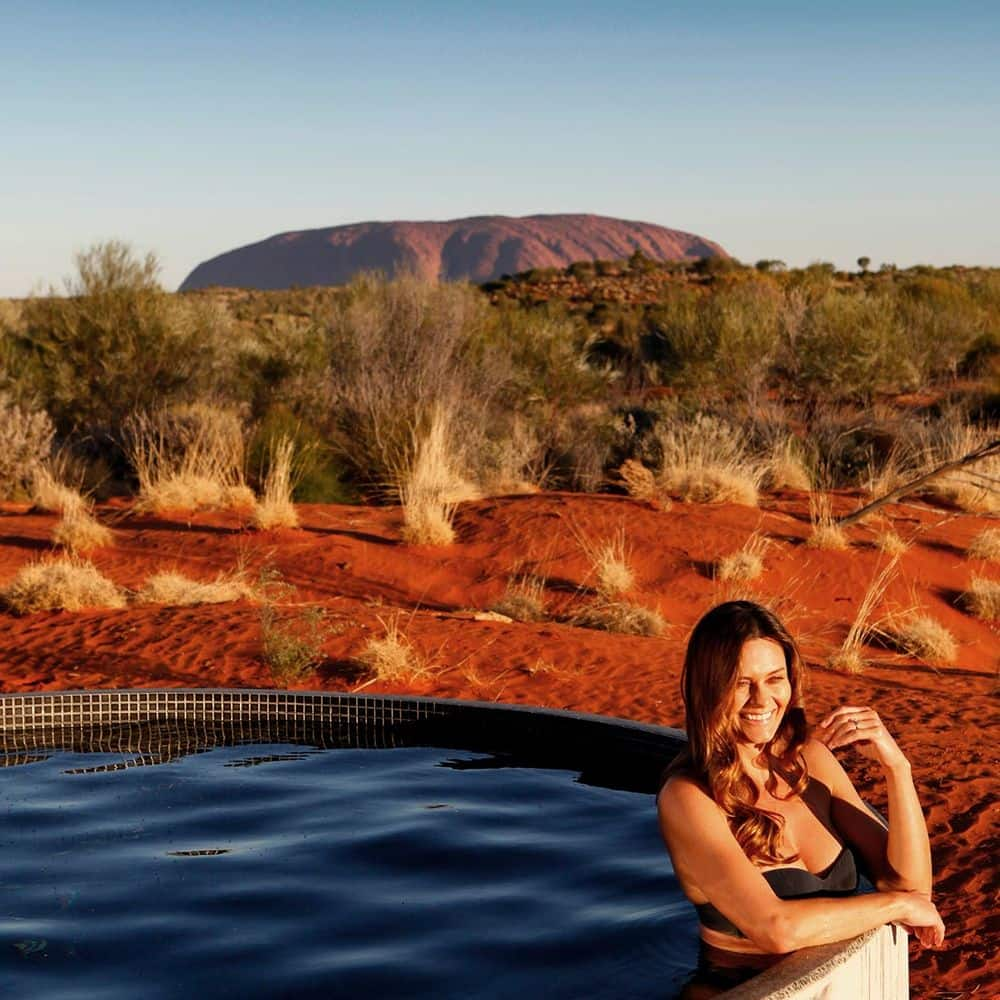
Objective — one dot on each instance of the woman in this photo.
(765, 830)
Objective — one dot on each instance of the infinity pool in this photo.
(279, 869)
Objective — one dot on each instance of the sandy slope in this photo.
(350, 560)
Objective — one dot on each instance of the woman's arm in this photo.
(706, 856)
(905, 859)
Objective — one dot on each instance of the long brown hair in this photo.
(708, 685)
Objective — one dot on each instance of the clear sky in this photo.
(797, 130)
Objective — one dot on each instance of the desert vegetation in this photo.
(717, 380)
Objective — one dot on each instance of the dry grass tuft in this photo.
(848, 658)
(275, 508)
(825, 534)
(785, 467)
(890, 543)
(392, 658)
(66, 583)
(431, 488)
(706, 461)
(973, 488)
(176, 589)
(50, 494)
(639, 481)
(523, 600)
(847, 661)
(982, 599)
(746, 564)
(188, 458)
(986, 545)
(610, 564)
(79, 532)
(621, 617)
(922, 637)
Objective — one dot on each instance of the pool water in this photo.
(277, 870)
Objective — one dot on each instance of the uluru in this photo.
(475, 249)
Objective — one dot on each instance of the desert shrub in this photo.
(188, 457)
(982, 599)
(319, 474)
(173, 588)
(115, 341)
(274, 508)
(25, 443)
(66, 583)
(846, 348)
(292, 641)
(398, 350)
(986, 545)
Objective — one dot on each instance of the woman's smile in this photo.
(762, 690)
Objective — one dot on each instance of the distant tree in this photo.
(114, 343)
(863, 263)
(767, 266)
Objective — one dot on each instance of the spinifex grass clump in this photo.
(25, 442)
(613, 577)
(66, 583)
(523, 599)
(745, 564)
(173, 588)
(982, 599)
(80, 532)
(986, 545)
(391, 657)
(922, 637)
(705, 460)
(275, 508)
(188, 458)
(825, 533)
(430, 486)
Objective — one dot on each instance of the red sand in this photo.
(351, 561)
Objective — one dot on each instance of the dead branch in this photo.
(985, 451)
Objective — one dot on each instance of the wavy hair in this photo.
(708, 685)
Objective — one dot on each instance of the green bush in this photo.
(116, 342)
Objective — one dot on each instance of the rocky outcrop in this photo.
(478, 249)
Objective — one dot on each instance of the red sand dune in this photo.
(350, 560)
(477, 249)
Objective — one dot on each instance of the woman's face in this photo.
(762, 691)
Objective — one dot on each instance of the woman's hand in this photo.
(863, 728)
(923, 920)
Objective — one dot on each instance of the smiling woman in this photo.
(766, 832)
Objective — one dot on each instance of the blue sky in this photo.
(775, 129)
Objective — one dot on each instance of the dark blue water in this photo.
(281, 871)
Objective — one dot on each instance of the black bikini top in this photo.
(840, 879)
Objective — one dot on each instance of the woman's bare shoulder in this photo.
(822, 764)
(684, 791)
